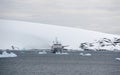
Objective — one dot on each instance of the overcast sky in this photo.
(98, 15)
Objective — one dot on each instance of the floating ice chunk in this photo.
(88, 54)
(43, 52)
(83, 54)
(117, 59)
(5, 54)
(61, 53)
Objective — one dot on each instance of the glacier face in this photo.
(36, 35)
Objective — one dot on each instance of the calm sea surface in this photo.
(32, 63)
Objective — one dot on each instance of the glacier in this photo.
(28, 35)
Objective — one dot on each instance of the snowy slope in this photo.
(37, 35)
(102, 44)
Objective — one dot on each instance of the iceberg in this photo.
(5, 54)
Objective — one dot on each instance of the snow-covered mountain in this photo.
(102, 44)
(36, 35)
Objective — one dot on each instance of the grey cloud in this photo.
(88, 14)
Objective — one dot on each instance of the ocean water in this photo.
(32, 63)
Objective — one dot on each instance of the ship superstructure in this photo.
(57, 47)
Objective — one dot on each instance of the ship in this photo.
(57, 47)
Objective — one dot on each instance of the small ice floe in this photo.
(85, 54)
(117, 59)
(42, 52)
(61, 53)
(81, 54)
(5, 54)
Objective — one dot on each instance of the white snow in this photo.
(117, 59)
(85, 54)
(5, 54)
(43, 52)
(37, 35)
